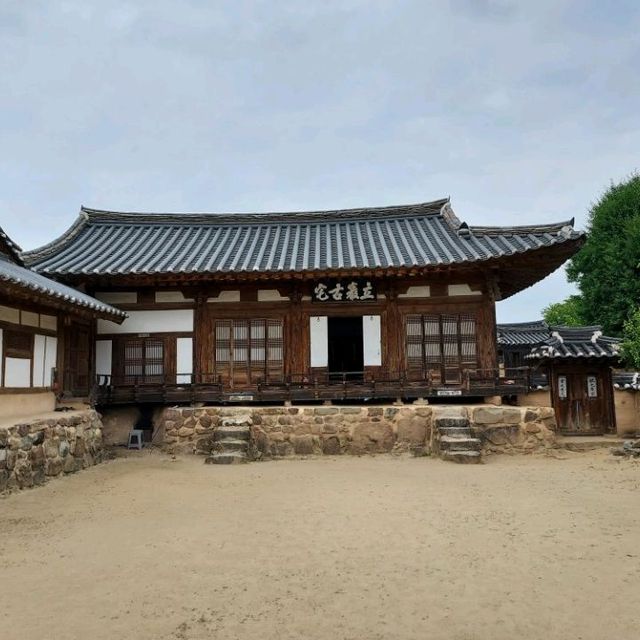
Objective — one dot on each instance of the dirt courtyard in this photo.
(333, 548)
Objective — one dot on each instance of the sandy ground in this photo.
(332, 548)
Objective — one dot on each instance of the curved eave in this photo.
(61, 299)
(552, 256)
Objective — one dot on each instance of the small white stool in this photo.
(135, 439)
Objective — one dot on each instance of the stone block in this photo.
(488, 415)
(303, 445)
(23, 429)
(390, 413)
(326, 411)
(70, 465)
(331, 446)
(186, 432)
(373, 437)
(53, 467)
(350, 410)
(502, 434)
(79, 449)
(37, 456)
(412, 430)
(205, 421)
(511, 415)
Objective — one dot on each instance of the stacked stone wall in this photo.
(332, 430)
(35, 450)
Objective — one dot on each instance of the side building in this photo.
(385, 302)
(46, 336)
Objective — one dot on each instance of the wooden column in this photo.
(296, 349)
(393, 334)
(202, 340)
(487, 330)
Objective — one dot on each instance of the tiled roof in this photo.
(576, 342)
(12, 248)
(629, 380)
(525, 334)
(421, 235)
(24, 278)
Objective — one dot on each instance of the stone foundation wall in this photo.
(288, 431)
(34, 450)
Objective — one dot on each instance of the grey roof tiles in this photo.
(576, 342)
(422, 235)
(24, 278)
(524, 334)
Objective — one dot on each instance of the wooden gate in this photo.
(583, 400)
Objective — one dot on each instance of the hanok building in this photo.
(387, 302)
(46, 331)
(572, 366)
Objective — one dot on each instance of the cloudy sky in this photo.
(522, 112)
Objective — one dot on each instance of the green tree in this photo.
(631, 341)
(607, 268)
(568, 313)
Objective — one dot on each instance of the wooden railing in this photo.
(341, 385)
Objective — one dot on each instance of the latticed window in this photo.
(249, 350)
(441, 345)
(143, 360)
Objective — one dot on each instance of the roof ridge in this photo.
(551, 226)
(434, 207)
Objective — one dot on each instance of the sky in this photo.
(521, 112)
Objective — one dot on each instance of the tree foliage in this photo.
(607, 268)
(568, 313)
(631, 341)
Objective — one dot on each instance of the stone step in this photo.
(227, 457)
(231, 444)
(455, 432)
(444, 422)
(236, 421)
(462, 457)
(460, 444)
(234, 432)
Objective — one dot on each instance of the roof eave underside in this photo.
(31, 285)
(388, 247)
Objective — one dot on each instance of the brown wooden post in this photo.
(394, 333)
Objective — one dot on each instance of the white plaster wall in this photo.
(169, 296)
(50, 358)
(319, 341)
(462, 290)
(30, 319)
(372, 341)
(1, 352)
(38, 361)
(104, 354)
(270, 295)
(184, 360)
(49, 322)
(17, 372)
(416, 292)
(151, 322)
(9, 314)
(117, 296)
(226, 296)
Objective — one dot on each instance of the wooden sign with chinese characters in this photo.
(359, 290)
